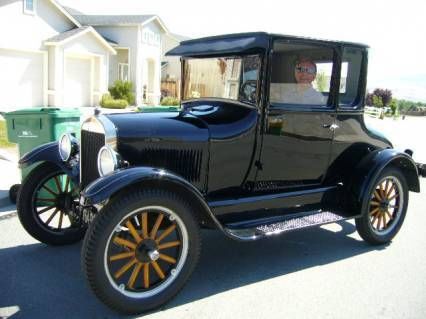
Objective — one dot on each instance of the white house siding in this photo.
(172, 70)
(47, 22)
(23, 70)
(150, 58)
(127, 37)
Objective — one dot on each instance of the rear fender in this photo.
(49, 152)
(372, 166)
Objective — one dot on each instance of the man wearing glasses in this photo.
(301, 92)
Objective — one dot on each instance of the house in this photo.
(138, 41)
(47, 57)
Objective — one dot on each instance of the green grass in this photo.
(3, 136)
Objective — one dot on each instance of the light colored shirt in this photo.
(293, 93)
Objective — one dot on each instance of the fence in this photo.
(373, 111)
(170, 88)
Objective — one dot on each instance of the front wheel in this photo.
(386, 208)
(45, 206)
(140, 250)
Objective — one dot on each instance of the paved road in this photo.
(326, 272)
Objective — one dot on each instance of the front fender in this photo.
(373, 164)
(49, 152)
(105, 187)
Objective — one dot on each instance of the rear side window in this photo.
(301, 75)
(350, 77)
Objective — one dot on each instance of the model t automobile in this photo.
(270, 138)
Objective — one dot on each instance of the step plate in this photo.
(286, 225)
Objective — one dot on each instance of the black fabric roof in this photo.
(237, 43)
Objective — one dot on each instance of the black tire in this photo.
(378, 210)
(31, 218)
(101, 238)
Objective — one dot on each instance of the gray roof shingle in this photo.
(65, 35)
(97, 20)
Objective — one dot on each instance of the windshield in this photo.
(234, 78)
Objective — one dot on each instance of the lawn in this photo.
(3, 136)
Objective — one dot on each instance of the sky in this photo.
(394, 30)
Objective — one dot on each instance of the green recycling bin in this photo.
(160, 108)
(32, 127)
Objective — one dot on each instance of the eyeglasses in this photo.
(302, 69)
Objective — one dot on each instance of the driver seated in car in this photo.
(301, 92)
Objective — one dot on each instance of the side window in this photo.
(29, 6)
(301, 75)
(350, 77)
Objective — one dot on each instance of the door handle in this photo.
(332, 127)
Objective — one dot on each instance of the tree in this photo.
(384, 94)
(393, 105)
(377, 101)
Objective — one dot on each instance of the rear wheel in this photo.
(45, 205)
(140, 250)
(386, 208)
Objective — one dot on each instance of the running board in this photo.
(257, 229)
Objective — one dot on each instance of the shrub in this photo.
(122, 90)
(108, 102)
(170, 101)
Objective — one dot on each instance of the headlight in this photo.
(67, 146)
(107, 160)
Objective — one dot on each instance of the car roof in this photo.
(242, 43)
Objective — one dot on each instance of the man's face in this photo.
(305, 72)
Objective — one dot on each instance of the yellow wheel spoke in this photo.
(166, 233)
(374, 203)
(168, 259)
(145, 225)
(384, 220)
(134, 275)
(124, 242)
(374, 211)
(390, 190)
(378, 222)
(389, 215)
(121, 256)
(51, 216)
(58, 185)
(133, 231)
(393, 196)
(156, 226)
(45, 209)
(49, 190)
(374, 219)
(125, 268)
(146, 275)
(169, 244)
(377, 195)
(386, 187)
(158, 270)
(381, 190)
(61, 216)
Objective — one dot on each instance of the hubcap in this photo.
(146, 251)
(385, 205)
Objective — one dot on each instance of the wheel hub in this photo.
(147, 251)
(64, 202)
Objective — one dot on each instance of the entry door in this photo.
(296, 148)
(77, 84)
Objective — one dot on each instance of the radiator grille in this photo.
(91, 143)
(186, 163)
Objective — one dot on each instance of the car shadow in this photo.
(47, 281)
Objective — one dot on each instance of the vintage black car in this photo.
(270, 138)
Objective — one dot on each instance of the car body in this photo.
(245, 161)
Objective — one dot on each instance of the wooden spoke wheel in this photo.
(140, 249)
(386, 204)
(146, 251)
(46, 204)
(385, 208)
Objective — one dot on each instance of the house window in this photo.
(123, 71)
(29, 6)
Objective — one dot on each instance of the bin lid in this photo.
(50, 111)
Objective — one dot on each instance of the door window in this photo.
(350, 77)
(301, 75)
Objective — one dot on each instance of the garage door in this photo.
(77, 82)
(21, 79)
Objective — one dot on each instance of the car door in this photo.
(299, 118)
